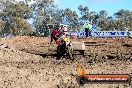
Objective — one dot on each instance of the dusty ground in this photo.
(22, 67)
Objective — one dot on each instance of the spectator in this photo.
(87, 29)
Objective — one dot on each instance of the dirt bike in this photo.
(64, 49)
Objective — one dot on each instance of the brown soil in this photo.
(21, 66)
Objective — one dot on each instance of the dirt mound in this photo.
(27, 43)
(27, 40)
(13, 55)
(103, 40)
(21, 69)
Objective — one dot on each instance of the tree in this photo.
(84, 12)
(15, 14)
(101, 19)
(71, 18)
(93, 16)
(123, 18)
(43, 13)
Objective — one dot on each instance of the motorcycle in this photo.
(64, 48)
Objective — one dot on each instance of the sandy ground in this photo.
(20, 67)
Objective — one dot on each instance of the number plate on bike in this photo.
(78, 46)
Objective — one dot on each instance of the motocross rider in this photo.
(57, 35)
(61, 39)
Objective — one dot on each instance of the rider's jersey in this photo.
(87, 26)
(66, 39)
(54, 32)
(60, 34)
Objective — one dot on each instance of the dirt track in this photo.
(19, 69)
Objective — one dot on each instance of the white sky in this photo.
(57, 2)
(32, 1)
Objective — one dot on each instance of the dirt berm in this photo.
(22, 64)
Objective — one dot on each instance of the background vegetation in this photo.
(14, 18)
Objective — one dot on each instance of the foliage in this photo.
(14, 16)
(43, 13)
